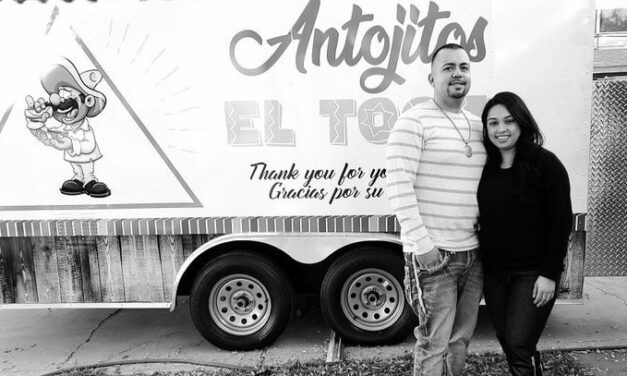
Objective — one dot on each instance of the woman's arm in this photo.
(559, 215)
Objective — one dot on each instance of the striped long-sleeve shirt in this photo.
(431, 184)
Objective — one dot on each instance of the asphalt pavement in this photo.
(34, 342)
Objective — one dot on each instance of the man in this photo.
(72, 99)
(434, 160)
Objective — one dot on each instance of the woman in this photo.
(525, 222)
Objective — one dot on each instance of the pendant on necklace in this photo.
(468, 151)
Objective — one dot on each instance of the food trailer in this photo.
(233, 152)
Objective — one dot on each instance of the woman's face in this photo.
(503, 131)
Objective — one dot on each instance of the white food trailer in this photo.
(239, 148)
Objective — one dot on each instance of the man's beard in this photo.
(456, 94)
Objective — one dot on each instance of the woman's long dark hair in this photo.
(528, 143)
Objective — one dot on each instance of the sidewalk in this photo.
(600, 321)
(33, 342)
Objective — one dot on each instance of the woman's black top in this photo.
(525, 226)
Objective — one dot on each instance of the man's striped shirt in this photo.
(431, 184)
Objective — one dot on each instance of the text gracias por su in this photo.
(373, 113)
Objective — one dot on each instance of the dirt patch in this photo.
(487, 364)
(603, 363)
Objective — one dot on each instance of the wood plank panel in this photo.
(88, 251)
(70, 273)
(110, 265)
(172, 257)
(192, 242)
(141, 267)
(571, 284)
(46, 269)
(6, 281)
(577, 250)
(24, 282)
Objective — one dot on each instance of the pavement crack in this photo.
(611, 294)
(91, 335)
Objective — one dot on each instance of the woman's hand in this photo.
(543, 291)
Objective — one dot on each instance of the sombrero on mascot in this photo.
(63, 73)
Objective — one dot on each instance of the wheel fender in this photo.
(306, 248)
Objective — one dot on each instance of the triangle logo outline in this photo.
(195, 202)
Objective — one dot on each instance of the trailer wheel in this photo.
(241, 301)
(363, 300)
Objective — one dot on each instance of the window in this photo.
(612, 20)
(611, 28)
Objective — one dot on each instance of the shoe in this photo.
(72, 187)
(97, 189)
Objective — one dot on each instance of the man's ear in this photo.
(90, 101)
(430, 78)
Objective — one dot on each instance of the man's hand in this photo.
(36, 112)
(543, 291)
(430, 259)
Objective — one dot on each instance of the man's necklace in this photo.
(468, 149)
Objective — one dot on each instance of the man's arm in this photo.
(403, 152)
(82, 141)
(88, 143)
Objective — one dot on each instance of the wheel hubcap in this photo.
(239, 304)
(372, 299)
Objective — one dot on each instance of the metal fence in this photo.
(606, 222)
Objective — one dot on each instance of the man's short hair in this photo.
(448, 46)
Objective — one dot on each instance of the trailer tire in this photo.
(241, 301)
(362, 297)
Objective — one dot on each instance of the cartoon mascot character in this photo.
(73, 100)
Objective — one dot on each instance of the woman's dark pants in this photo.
(518, 322)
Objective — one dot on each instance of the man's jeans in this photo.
(518, 322)
(446, 301)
